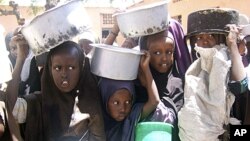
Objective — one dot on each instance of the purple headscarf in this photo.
(123, 130)
(181, 55)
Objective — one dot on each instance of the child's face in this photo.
(205, 40)
(13, 50)
(65, 70)
(119, 104)
(161, 52)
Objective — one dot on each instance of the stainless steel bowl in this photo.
(115, 62)
(56, 26)
(144, 20)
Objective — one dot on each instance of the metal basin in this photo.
(144, 20)
(115, 62)
(218, 19)
(55, 26)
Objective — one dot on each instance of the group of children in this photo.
(73, 104)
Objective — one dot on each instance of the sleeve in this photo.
(248, 76)
(238, 87)
(96, 129)
(20, 110)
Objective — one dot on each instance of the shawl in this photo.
(49, 114)
(181, 54)
(123, 130)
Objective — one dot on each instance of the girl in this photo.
(121, 113)
(68, 107)
(164, 70)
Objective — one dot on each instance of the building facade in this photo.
(179, 9)
(102, 20)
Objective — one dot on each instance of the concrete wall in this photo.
(10, 22)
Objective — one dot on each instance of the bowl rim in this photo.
(143, 7)
(117, 49)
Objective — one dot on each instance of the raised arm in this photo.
(148, 82)
(112, 34)
(13, 85)
(238, 72)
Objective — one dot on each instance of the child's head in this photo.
(207, 39)
(161, 48)
(64, 65)
(118, 97)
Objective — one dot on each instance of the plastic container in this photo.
(153, 131)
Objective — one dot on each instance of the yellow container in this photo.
(150, 131)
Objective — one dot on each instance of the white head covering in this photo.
(5, 74)
(245, 23)
(87, 35)
(243, 20)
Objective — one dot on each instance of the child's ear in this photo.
(242, 48)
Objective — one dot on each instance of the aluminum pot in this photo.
(115, 62)
(144, 20)
(55, 26)
(212, 20)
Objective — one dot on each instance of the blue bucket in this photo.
(149, 131)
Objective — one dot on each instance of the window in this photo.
(178, 18)
(107, 19)
(105, 32)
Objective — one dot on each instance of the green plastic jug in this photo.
(153, 131)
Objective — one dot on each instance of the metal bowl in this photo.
(115, 62)
(212, 20)
(55, 26)
(144, 20)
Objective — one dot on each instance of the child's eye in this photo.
(169, 52)
(71, 68)
(157, 53)
(115, 102)
(198, 38)
(127, 102)
(211, 36)
(57, 68)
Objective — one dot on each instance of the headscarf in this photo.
(170, 85)
(181, 53)
(123, 130)
(8, 37)
(57, 107)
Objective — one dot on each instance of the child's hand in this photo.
(144, 68)
(22, 46)
(233, 36)
(235, 42)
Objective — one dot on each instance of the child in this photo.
(8, 129)
(167, 77)
(211, 80)
(68, 108)
(121, 113)
(30, 77)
